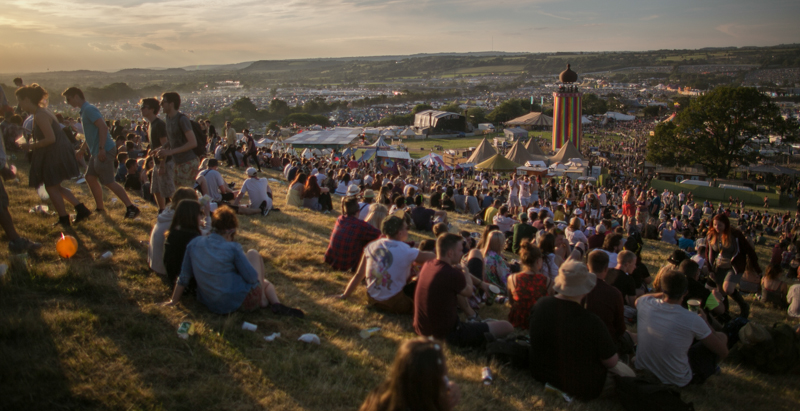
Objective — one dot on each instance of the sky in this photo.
(109, 35)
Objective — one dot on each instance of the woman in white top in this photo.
(574, 234)
(341, 189)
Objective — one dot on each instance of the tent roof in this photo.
(338, 136)
(407, 132)
(567, 152)
(531, 119)
(497, 163)
(380, 143)
(482, 153)
(395, 154)
(619, 116)
(533, 147)
(519, 154)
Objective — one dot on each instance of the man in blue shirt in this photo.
(103, 150)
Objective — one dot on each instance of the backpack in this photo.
(778, 355)
(636, 394)
(200, 136)
(512, 350)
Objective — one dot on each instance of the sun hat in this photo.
(574, 279)
(251, 171)
(353, 190)
(369, 193)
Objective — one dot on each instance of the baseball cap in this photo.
(251, 171)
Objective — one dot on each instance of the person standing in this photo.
(180, 141)
(162, 185)
(251, 151)
(230, 141)
(102, 150)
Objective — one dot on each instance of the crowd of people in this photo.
(576, 288)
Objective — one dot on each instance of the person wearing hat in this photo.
(363, 206)
(521, 231)
(596, 240)
(259, 192)
(667, 335)
(572, 348)
(386, 265)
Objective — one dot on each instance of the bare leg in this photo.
(120, 192)
(161, 202)
(67, 194)
(96, 189)
(269, 296)
(57, 200)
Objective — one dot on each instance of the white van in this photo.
(696, 183)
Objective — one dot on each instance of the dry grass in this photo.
(88, 333)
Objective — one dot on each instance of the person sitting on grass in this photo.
(606, 302)
(527, 286)
(417, 381)
(155, 248)
(435, 300)
(386, 265)
(349, 237)
(377, 213)
(667, 335)
(184, 228)
(133, 178)
(259, 192)
(227, 278)
(424, 217)
(522, 231)
(495, 269)
(574, 351)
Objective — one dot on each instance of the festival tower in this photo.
(567, 111)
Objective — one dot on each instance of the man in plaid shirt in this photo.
(349, 237)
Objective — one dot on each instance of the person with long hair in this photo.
(311, 194)
(294, 195)
(728, 252)
(52, 158)
(495, 269)
(526, 286)
(377, 213)
(185, 226)
(155, 247)
(417, 381)
(227, 278)
(773, 290)
(547, 243)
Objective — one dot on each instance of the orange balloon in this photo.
(67, 246)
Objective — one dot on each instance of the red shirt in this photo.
(605, 301)
(352, 164)
(435, 300)
(348, 239)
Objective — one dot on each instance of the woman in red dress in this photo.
(527, 286)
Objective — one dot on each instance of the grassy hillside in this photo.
(87, 333)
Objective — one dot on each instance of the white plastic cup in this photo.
(248, 326)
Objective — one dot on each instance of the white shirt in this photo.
(214, 180)
(364, 210)
(504, 223)
(368, 180)
(257, 189)
(793, 298)
(524, 189)
(484, 184)
(512, 188)
(666, 331)
(388, 267)
(612, 259)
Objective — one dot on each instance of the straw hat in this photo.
(353, 190)
(574, 279)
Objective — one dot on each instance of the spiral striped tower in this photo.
(567, 111)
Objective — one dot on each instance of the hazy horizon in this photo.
(110, 35)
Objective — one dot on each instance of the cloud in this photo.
(126, 47)
(651, 17)
(102, 47)
(152, 46)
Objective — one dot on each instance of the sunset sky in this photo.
(116, 34)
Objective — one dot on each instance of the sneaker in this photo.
(80, 180)
(132, 212)
(281, 309)
(265, 211)
(21, 245)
